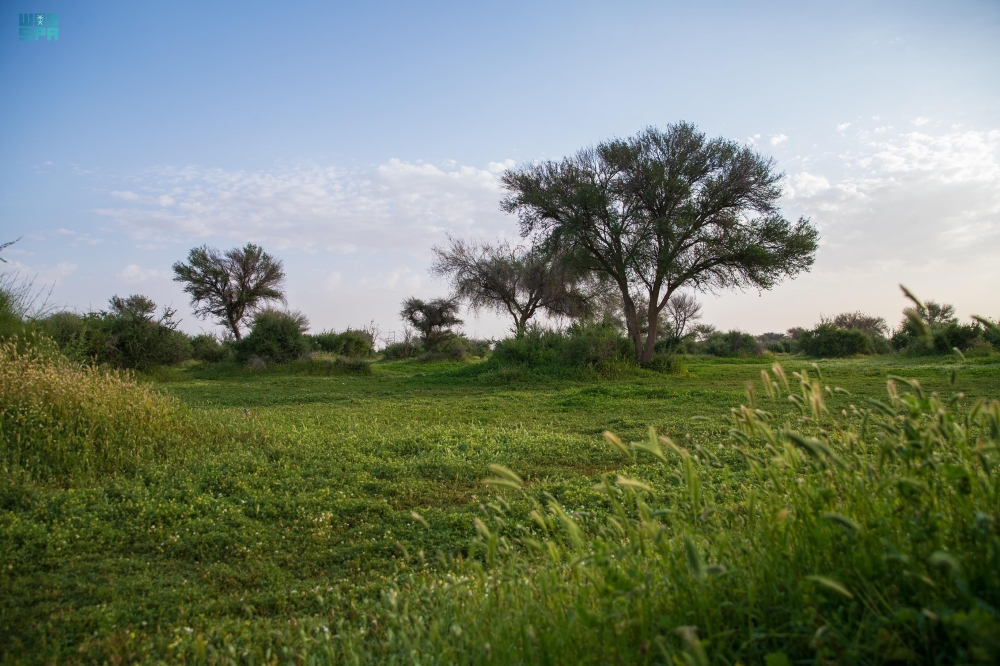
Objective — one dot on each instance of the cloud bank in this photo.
(397, 205)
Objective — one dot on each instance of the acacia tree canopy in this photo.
(660, 211)
(231, 286)
(514, 280)
(433, 318)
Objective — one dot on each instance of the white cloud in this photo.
(133, 274)
(911, 199)
(43, 274)
(918, 208)
(842, 126)
(777, 139)
(804, 184)
(397, 205)
(920, 120)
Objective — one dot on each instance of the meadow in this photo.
(307, 519)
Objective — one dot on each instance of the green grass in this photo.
(292, 533)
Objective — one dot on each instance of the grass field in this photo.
(297, 525)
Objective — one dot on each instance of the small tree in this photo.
(682, 312)
(433, 319)
(518, 281)
(231, 286)
(661, 211)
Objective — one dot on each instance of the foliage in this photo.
(128, 335)
(865, 538)
(515, 281)
(660, 211)
(231, 286)
(61, 420)
(875, 327)
(207, 348)
(275, 337)
(433, 319)
(458, 348)
(21, 302)
(289, 530)
(732, 344)
(402, 350)
(352, 343)
(945, 332)
(829, 341)
(584, 344)
(682, 312)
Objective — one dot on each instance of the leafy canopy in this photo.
(231, 286)
(662, 210)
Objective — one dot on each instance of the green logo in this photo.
(32, 27)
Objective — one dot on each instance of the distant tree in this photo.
(662, 211)
(859, 321)
(795, 333)
(433, 319)
(231, 286)
(937, 313)
(681, 313)
(514, 280)
(137, 306)
(703, 332)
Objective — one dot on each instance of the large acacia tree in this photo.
(233, 285)
(660, 211)
(514, 280)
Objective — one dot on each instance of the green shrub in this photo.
(666, 362)
(207, 348)
(828, 341)
(402, 350)
(128, 335)
(592, 343)
(537, 347)
(734, 344)
(581, 345)
(275, 337)
(348, 343)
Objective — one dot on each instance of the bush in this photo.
(275, 337)
(208, 349)
(596, 345)
(828, 341)
(349, 343)
(734, 344)
(402, 350)
(591, 344)
(666, 363)
(127, 336)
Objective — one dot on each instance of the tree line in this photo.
(622, 235)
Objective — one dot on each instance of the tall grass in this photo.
(63, 421)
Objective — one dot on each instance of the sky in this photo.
(350, 138)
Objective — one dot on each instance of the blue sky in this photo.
(350, 138)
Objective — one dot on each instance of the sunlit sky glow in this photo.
(349, 139)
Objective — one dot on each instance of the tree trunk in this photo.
(236, 329)
(632, 324)
(651, 326)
